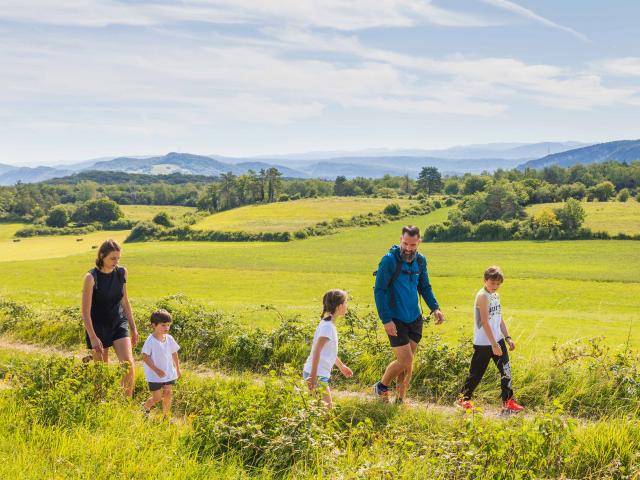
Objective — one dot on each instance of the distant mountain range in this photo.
(366, 163)
(621, 151)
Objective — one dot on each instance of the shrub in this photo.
(623, 195)
(392, 209)
(65, 392)
(163, 219)
(58, 217)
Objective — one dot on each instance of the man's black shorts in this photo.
(407, 332)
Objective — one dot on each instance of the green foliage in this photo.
(392, 209)
(571, 216)
(623, 195)
(429, 180)
(102, 210)
(602, 191)
(163, 219)
(58, 217)
(65, 392)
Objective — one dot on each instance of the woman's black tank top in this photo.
(108, 290)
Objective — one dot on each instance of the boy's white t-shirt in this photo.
(329, 353)
(162, 355)
(495, 318)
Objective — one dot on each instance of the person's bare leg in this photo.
(155, 397)
(326, 397)
(122, 347)
(101, 356)
(403, 361)
(403, 380)
(167, 395)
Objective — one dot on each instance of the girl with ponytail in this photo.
(324, 350)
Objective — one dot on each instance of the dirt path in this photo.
(204, 372)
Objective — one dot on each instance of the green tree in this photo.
(58, 217)
(429, 180)
(603, 191)
(227, 192)
(102, 210)
(571, 216)
(273, 184)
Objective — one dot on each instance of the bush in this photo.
(623, 195)
(283, 197)
(58, 217)
(163, 219)
(65, 392)
(392, 210)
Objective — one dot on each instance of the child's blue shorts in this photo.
(321, 380)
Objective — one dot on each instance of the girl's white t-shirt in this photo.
(495, 318)
(162, 355)
(329, 353)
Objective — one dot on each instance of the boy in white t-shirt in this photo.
(161, 363)
(490, 339)
(324, 351)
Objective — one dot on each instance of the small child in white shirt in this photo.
(161, 363)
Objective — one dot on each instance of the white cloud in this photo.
(624, 67)
(338, 14)
(526, 13)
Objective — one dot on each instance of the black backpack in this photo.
(397, 273)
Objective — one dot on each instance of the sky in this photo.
(82, 79)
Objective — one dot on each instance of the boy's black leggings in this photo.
(482, 354)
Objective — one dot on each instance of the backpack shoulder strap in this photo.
(396, 273)
(421, 262)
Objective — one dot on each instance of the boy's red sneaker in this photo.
(466, 405)
(511, 406)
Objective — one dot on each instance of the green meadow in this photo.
(139, 213)
(554, 291)
(611, 217)
(293, 215)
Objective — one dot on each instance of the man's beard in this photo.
(408, 256)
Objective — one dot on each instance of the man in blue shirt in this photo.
(401, 276)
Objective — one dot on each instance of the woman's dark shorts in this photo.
(109, 333)
(406, 332)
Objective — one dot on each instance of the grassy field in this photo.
(554, 291)
(7, 230)
(138, 213)
(294, 215)
(611, 217)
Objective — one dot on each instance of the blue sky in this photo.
(90, 78)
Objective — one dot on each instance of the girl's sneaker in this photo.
(466, 405)
(510, 406)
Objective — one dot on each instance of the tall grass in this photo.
(584, 378)
(234, 428)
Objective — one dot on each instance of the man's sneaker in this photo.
(382, 393)
(399, 401)
(466, 405)
(510, 406)
(145, 412)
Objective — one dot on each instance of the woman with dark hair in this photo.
(106, 312)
